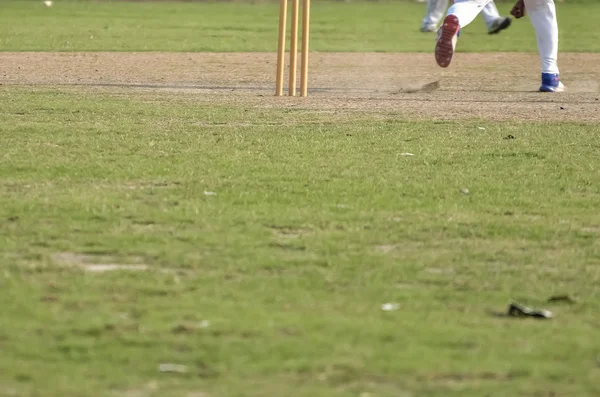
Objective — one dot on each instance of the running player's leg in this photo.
(435, 13)
(494, 22)
(467, 10)
(462, 13)
(542, 14)
(490, 13)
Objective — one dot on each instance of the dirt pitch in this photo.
(495, 86)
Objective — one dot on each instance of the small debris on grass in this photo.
(481, 128)
(207, 193)
(188, 329)
(182, 329)
(406, 154)
(204, 324)
(517, 310)
(509, 137)
(109, 267)
(48, 3)
(562, 299)
(390, 307)
(172, 368)
(465, 191)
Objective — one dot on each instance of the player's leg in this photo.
(542, 14)
(467, 10)
(494, 22)
(435, 13)
(462, 13)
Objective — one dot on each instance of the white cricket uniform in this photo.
(437, 8)
(542, 14)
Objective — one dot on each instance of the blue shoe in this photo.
(551, 83)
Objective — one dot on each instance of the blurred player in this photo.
(543, 18)
(436, 9)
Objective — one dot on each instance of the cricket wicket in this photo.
(293, 48)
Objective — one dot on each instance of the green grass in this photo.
(353, 26)
(273, 286)
(317, 221)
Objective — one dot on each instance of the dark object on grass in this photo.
(516, 310)
(562, 299)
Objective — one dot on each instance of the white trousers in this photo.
(436, 10)
(542, 14)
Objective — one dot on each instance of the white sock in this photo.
(542, 14)
(490, 14)
(435, 12)
(467, 10)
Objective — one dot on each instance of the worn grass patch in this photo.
(256, 257)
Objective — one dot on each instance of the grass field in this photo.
(212, 26)
(253, 246)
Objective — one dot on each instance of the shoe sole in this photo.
(505, 24)
(444, 50)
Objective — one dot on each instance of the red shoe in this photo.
(446, 41)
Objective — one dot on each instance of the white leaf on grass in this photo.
(204, 324)
(207, 193)
(109, 267)
(389, 307)
(406, 154)
(172, 368)
(464, 190)
(481, 128)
